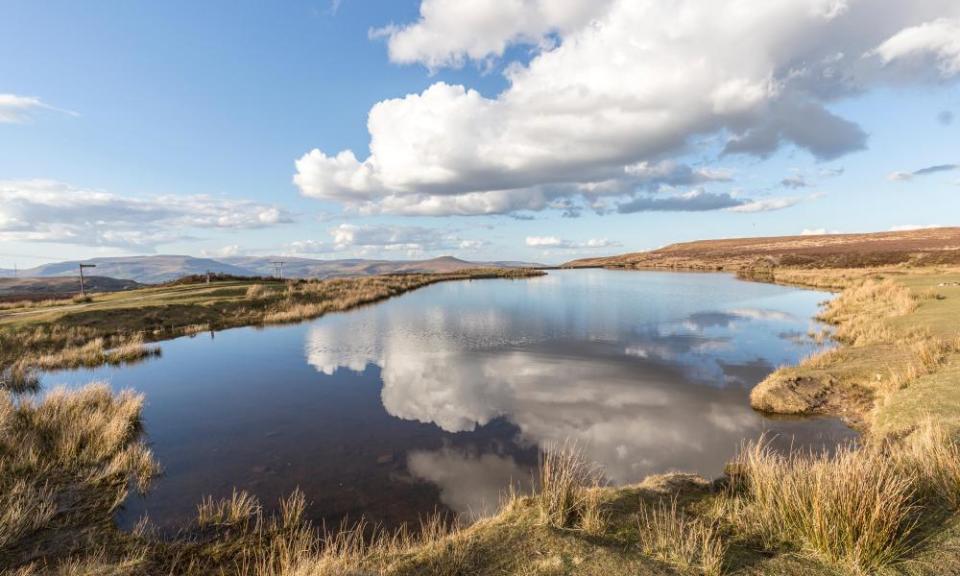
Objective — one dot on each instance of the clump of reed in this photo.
(858, 508)
(255, 292)
(66, 462)
(239, 509)
(668, 534)
(563, 493)
(287, 545)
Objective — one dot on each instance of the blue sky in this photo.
(176, 127)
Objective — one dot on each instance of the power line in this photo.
(278, 268)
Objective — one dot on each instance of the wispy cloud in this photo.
(556, 243)
(767, 204)
(380, 239)
(903, 176)
(16, 109)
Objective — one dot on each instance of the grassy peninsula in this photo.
(889, 505)
(118, 327)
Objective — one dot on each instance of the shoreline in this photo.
(769, 513)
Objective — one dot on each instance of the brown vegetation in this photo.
(755, 256)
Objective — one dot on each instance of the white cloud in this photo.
(543, 241)
(626, 84)
(909, 227)
(50, 211)
(817, 232)
(372, 239)
(15, 109)
(938, 39)
(561, 244)
(904, 176)
(767, 204)
(450, 32)
(222, 252)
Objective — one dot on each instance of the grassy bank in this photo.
(897, 354)
(118, 327)
(67, 462)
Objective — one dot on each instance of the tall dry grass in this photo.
(289, 546)
(857, 508)
(93, 353)
(566, 478)
(256, 292)
(670, 535)
(861, 311)
(67, 461)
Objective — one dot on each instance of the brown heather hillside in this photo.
(935, 246)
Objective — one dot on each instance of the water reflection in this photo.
(638, 397)
(442, 397)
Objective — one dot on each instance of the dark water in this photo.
(440, 398)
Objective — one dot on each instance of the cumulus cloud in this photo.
(368, 239)
(903, 176)
(15, 109)
(50, 211)
(938, 40)
(817, 232)
(553, 242)
(450, 32)
(613, 89)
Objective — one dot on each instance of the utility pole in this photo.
(278, 269)
(82, 266)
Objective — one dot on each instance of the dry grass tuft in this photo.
(256, 292)
(669, 535)
(66, 462)
(238, 510)
(565, 480)
(856, 509)
(861, 311)
(931, 450)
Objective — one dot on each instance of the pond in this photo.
(441, 398)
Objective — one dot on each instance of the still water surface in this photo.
(439, 399)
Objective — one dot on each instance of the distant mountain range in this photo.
(163, 268)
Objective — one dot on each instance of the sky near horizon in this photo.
(538, 130)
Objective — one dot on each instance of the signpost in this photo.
(82, 266)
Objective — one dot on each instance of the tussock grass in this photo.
(670, 535)
(857, 509)
(239, 509)
(256, 292)
(565, 480)
(931, 450)
(66, 462)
